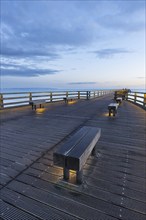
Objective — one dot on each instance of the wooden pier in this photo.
(114, 185)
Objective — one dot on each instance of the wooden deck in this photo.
(114, 181)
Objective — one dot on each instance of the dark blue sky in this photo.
(68, 43)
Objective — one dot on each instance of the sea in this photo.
(13, 90)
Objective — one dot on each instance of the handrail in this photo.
(11, 100)
(138, 98)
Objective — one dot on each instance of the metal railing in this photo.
(17, 99)
(138, 98)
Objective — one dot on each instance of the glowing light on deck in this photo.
(72, 176)
(72, 102)
(40, 110)
(106, 114)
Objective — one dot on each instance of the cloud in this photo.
(27, 52)
(140, 77)
(115, 16)
(21, 71)
(110, 52)
(56, 24)
(118, 24)
(43, 31)
(82, 83)
(66, 23)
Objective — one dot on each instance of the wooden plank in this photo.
(11, 212)
(36, 209)
(74, 207)
(118, 171)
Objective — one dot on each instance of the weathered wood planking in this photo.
(115, 184)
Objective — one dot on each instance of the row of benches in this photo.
(73, 154)
(113, 107)
(41, 102)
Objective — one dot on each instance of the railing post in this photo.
(78, 95)
(1, 101)
(51, 99)
(30, 97)
(65, 173)
(144, 100)
(135, 95)
(94, 94)
(87, 96)
(126, 96)
(79, 177)
(66, 94)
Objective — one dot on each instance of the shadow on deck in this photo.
(114, 181)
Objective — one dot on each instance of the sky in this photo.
(70, 44)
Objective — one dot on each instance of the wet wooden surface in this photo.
(114, 180)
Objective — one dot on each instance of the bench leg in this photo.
(93, 152)
(114, 112)
(79, 177)
(32, 106)
(40, 105)
(109, 112)
(65, 174)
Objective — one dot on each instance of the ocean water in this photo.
(13, 90)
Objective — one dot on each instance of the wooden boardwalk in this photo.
(114, 181)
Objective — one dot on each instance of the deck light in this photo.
(72, 102)
(106, 114)
(40, 110)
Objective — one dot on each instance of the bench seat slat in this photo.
(113, 105)
(34, 103)
(37, 102)
(78, 155)
(119, 98)
(67, 99)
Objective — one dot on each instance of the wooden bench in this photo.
(67, 99)
(112, 107)
(119, 100)
(36, 103)
(72, 155)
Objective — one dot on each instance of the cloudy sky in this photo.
(73, 44)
